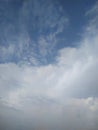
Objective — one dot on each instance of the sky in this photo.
(48, 64)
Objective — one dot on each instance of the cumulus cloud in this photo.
(59, 95)
(74, 75)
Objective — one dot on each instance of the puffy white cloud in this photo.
(55, 95)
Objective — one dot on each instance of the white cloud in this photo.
(74, 75)
(92, 14)
(59, 96)
(51, 94)
(6, 52)
(72, 114)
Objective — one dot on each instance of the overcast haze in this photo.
(48, 64)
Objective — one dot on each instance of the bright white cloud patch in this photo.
(74, 75)
(48, 93)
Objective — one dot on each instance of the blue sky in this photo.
(48, 64)
(24, 24)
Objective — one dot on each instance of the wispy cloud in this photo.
(36, 21)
